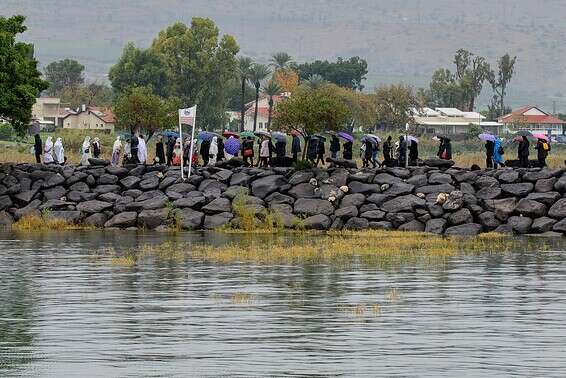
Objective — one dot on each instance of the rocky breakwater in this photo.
(440, 200)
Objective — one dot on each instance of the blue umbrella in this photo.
(168, 134)
(279, 137)
(232, 146)
(206, 135)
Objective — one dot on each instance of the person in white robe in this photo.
(142, 150)
(213, 151)
(48, 151)
(116, 148)
(85, 151)
(59, 151)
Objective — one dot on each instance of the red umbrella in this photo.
(228, 134)
(295, 133)
(541, 136)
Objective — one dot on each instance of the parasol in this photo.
(228, 134)
(247, 134)
(346, 136)
(373, 136)
(526, 133)
(541, 136)
(262, 133)
(319, 137)
(232, 145)
(279, 137)
(206, 135)
(411, 138)
(487, 137)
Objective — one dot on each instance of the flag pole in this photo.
(182, 145)
(192, 138)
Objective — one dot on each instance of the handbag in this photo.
(248, 153)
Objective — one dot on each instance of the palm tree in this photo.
(315, 81)
(244, 68)
(271, 89)
(258, 73)
(280, 61)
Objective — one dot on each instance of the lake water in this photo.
(68, 310)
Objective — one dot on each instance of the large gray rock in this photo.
(56, 192)
(413, 225)
(309, 207)
(439, 178)
(360, 187)
(264, 186)
(93, 206)
(219, 205)
(398, 219)
(356, 223)
(560, 185)
(304, 190)
(192, 202)
(346, 212)
(440, 188)
(485, 182)
(435, 226)
(417, 181)
(503, 206)
(278, 198)
(521, 225)
(468, 229)
(560, 226)
(317, 222)
(545, 185)
(96, 220)
(519, 189)
(488, 193)
(465, 176)
(117, 171)
(6, 219)
(301, 177)
(403, 173)
(190, 219)
(509, 176)
(455, 201)
(239, 178)
(234, 191)
(386, 178)
(122, 220)
(153, 203)
(54, 180)
(150, 219)
(215, 221)
(23, 198)
(130, 182)
(101, 189)
(558, 210)
(537, 175)
(439, 163)
(30, 209)
(80, 187)
(377, 198)
(223, 175)
(5, 202)
(542, 224)
(399, 189)
(461, 216)
(530, 208)
(403, 203)
(108, 179)
(356, 199)
(489, 220)
(373, 215)
(69, 216)
(181, 187)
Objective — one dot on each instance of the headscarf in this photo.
(86, 144)
(117, 144)
(59, 151)
(96, 140)
(48, 145)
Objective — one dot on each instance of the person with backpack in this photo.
(542, 147)
(497, 154)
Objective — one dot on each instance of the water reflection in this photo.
(66, 309)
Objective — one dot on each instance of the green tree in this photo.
(315, 81)
(360, 105)
(63, 74)
(310, 111)
(20, 80)
(499, 82)
(139, 68)
(258, 73)
(281, 61)
(345, 73)
(198, 64)
(393, 105)
(270, 90)
(244, 68)
(91, 94)
(140, 109)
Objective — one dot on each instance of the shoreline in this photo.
(436, 198)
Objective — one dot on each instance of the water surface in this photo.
(68, 310)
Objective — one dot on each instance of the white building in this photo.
(262, 113)
(451, 121)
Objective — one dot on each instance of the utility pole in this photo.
(554, 107)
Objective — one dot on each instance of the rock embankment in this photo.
(447, 201)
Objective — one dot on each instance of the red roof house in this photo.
(534, 120)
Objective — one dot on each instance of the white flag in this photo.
(187, 116)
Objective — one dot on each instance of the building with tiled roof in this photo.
(533, 119)
(450, 121)
(262, 113)
(89, 117)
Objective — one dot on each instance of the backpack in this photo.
(545, 146)
(501, 151)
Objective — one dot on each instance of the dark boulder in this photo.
(558, 210)
(122, 220)
(150, 219)
(190, 219)
(542, 224)
(264, 186)
(519, 189)
(488, 220)
(356, 223)
(468, 229)
(403, 203)
(461, 216)
(356, 199)
(317, 222)
(346, 212)
(215, 221)
(435, 226)
(310, 207)
(93, 206)
(530, 208)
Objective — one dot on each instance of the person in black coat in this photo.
(413, 153)
(320, 151)
(542, 147)
(295, 147)
(220, 155)
(134, 150)
(312, 150)
(489, 148)
(205, 151)
(523, 152)
(347, 150)
(387, 151)
(368, 153)
(170, 149)
(37, 148)
(334, 147)
(445, 149)
(159, 151)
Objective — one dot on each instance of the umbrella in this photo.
(262, 133)
(541, 136)
(373, 136)
(168, 134)
(295, 133)
(279, 137)
(247, 134)
(34, 129)
(320, 137)
(368, 139)
(206, 135)
(524, 133)
(346, 136)
(411, 138)
(232, 145)
(487, 137)
(228, 134)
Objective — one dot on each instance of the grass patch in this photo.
(249, 220)
(43, 222)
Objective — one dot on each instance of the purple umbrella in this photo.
(346, 136)
(487, 137)
(232, 146)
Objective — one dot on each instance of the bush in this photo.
(6, 131)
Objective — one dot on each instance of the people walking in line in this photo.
(295, 147)
(367, 153)
(523, 152)
(388, 152)
(497, 154)
(159, 150)
(334, 147)
(96, 148)
(142, 150)
(85, 151)
(213, 151)
(37, 148)
(543, 148)
(374, 151)
(127, 159)
(347, 150)
(48, 151)
(264, 152)
(445, 149)
(170, 148)
(220, 155)
(59, 152)
(402, 151)
(248, 152)
(320, 151)
(116, 149)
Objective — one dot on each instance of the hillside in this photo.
(402, 40)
